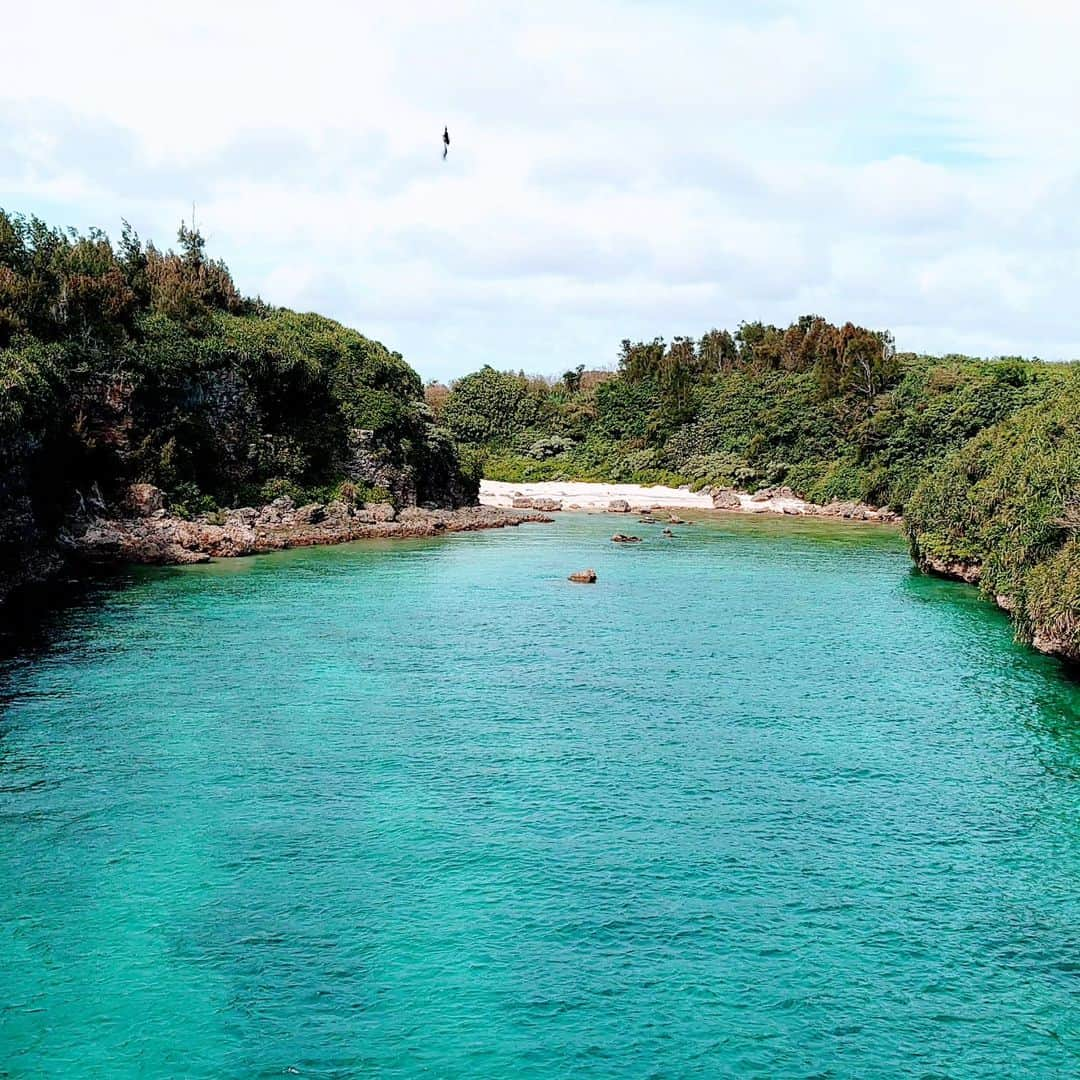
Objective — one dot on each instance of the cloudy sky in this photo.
(618, 168)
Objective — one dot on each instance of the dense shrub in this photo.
(1008, 501)
(490, 406)
(128, 363)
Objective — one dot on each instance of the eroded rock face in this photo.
(584, 577)
(311, 514)
(381, 511)
(376, 465)
(952, 568)
(856, 511)
(1060, 644)
(618, 506)
(1056, 640)
(144, 499)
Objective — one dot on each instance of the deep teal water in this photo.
(762, 803)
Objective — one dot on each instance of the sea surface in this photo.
(763, 802)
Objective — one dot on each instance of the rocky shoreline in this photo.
(1041, 639)
(145, 532)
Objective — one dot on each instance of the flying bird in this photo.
(446, 142)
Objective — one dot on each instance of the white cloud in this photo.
(617, 168)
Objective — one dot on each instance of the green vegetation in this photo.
(1009, 502)
(831, 411)
(982, 457)
(124, 363)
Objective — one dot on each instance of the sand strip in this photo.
(552, 495)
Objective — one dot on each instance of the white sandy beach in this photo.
(584, 496)
(572, 495)
(581, 496)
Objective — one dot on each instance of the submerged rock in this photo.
(622, 538)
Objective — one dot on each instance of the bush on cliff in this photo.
(1008, 503)
(126, 363)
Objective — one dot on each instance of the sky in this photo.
(617, 168)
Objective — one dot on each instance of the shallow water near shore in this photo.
(763, 802)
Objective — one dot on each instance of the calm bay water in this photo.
(761, 803)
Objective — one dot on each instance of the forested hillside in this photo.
(122, 363)
(980, 455)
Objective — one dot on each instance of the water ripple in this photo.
(761, 803)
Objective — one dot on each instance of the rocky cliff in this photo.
(126, 365)
(1003, 513)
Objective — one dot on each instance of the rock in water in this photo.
(622, 538)
(585, 577)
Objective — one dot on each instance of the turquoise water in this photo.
(761, 803)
